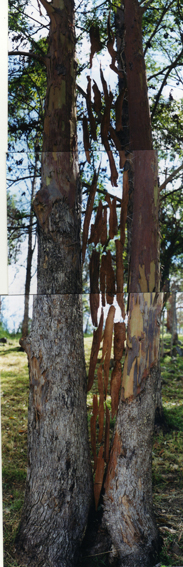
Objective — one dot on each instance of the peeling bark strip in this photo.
(86, 140)
(89, 108)
(107, 428)
(119, 338)
(99, 475)
(94, 286)
(144, 271)
(119, 276)
(113, 223)
(107, 343)
(88, 212)
(97, 227)
(93, 429)
(124, 206)
(95, 41)
(142, 342)
(97, 337)
(140, 124)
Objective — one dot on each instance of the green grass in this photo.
(167, 450)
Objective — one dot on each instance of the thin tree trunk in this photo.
(59, 480)
(25, 325)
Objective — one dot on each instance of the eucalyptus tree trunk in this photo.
(59, 480)
(128, 507)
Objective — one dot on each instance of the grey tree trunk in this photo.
(59, 480)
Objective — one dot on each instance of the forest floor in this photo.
(167, 450)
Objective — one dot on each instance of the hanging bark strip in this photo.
(105, 125)
(99, 475)
(93, 429)
(113, 222)
(103, 237)
(107, 344)
(97, 98)
(89, 108)
(119, 275)
(119, 338)
(107, 430)
(144, 258)
(107, 279)
(97, 337)
(88, 212)
(95, 41)
(94, 286)
(118, 110)
(86, 140)
(112, 52)
(124, 206)
(101, 403)
(97, 227)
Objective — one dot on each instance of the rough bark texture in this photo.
(128, 513)
(128, 488)
(59, 481)
(25, 325)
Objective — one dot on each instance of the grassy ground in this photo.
(167, 450)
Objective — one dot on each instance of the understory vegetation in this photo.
(167, 449)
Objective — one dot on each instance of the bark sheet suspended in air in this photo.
(59, 480)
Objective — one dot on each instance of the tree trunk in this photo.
(128, 509)
(128, 512)
(25, 325)
(59, 479)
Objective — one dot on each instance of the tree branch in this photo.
(172, 176)
(166, 8)
(163, 197)
(29, 54)
(48, 7)
(172, 66)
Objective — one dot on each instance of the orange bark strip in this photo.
(110, 291)
(93, 429)
(124, 205)
(89, 108)
(111, 469)
(107, 343)
(119, 338)
(86, 140)
(103, 271)
(97, 227)
(88, 212)
(119, 275)
(99, 475)
(104, 84)
(113, 223)
(100, 380)
(93, 439)
(107, 428)
(95, 42)
(115, 387)
(101, 404)
(97, 336)
(97, 98)
(114, 173)
(94, 285)
(103, 237)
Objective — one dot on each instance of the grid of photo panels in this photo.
(91, 331)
